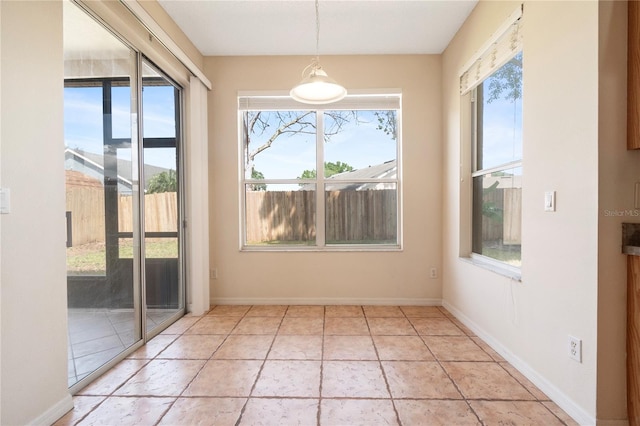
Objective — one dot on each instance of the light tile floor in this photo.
(315, 365)
(98, 335)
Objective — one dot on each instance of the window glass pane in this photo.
(280, 214)
(361, 213)
(121, 109)
(161, 248)
(84, 147)
(359, 177)
(279, 144)
(359, 140)
(497, 225)
(161, 190)
(159, 108)
(101, 278)
(499, 116)
(83, 119)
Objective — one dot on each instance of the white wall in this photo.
(33, 304)
(338, 277)
(565, 261)
(32, 245)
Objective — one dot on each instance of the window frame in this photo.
(372, 100)
(476, 101)
(504, 45)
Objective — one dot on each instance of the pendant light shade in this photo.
(317, 87)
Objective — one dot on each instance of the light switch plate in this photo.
(5, 200)
(550, 201)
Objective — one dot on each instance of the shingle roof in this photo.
(124, 166)
(386, 170)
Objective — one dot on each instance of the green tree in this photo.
(330, 169)
(163, 182)
(387, 122)
(490, 209)
(257, 186)
(308, 174)
(508, 80)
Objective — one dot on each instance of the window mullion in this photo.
(474, 130)
(500, 168)
(320, 198)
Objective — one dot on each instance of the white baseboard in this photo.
(324, 301)
(556, 395)
(58, 410)
(613, 423)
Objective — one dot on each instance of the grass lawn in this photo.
(504, 254)
(90, 259)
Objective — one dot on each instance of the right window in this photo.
(496, 111)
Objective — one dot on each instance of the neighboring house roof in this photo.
(386, 170)
(505, 181)
(93, 165)
(74, 178)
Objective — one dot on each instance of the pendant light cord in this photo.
(317, 32)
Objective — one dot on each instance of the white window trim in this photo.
(495, 266)
(503, 45)
(377, 99)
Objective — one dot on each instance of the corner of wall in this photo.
(617, 174)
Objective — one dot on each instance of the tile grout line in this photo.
(146, 361)
(203, 364)
(170, 406)
(266, 355)
(197, 373)
(384, 373)
(536, 399)
(464, 398)
(494, 361)
(324, 326)
(111, 394)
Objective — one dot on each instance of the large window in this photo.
(494, 97)
(353, 202)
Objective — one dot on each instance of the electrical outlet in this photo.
(213, 274)
(433, 273)
(575, 348)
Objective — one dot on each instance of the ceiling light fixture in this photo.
(316, 86)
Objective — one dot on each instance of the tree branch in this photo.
(284, 128)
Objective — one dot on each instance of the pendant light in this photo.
(316, 86)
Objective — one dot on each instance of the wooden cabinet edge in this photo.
(633, 75)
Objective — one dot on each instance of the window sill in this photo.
(310, 249)
(496, 267)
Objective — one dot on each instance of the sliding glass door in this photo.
(124, 273)
(164, 296)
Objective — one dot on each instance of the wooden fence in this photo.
(283, 215)
(280, 216)
(86, 204)
(350, 215)
(160, 212)
(509, 229)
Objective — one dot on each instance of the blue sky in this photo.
(83, 120)
(502, 124)
(502, 138)
(359, 144)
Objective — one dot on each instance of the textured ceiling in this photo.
(351, 27)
